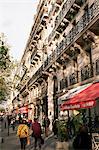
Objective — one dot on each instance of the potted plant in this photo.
(62, 136)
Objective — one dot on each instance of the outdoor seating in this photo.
(95, 141)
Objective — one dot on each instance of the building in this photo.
(61, 54)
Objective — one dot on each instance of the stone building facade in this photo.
(61, 54)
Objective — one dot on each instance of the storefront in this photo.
(86, 103)
(23, 112)
(84, 99)
(66, 97)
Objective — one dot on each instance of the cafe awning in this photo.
(72, 92)
(84, 99)
(23, 110)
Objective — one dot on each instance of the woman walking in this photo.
(23, 133)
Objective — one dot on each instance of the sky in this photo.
(16, 20)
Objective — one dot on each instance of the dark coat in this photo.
(36, 129)
(82, 142)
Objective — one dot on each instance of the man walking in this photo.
(37, 133)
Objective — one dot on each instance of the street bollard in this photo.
(1, 130)
(2, 140)
(8, 130)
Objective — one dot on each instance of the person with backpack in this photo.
(36, 127)
(23, 133)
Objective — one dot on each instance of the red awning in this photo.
(84, 99)
(23, 109)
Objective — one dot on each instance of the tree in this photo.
(6, 67)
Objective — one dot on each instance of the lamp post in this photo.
(9, 121)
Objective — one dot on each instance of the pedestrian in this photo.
(9, 120)
(46, 125)
(55, 127)
(70, 128)
(13, 124)
(37, 133)
(5, 119)
(83, 140)
(30, 124)
(23, 133)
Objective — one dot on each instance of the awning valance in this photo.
(84, 99)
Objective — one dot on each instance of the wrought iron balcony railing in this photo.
(89, 15)
(36, 75)
(61, 15)
(73, 78)
(63, 83)
(63, 12)
(86, 73)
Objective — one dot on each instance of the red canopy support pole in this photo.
(90, 122)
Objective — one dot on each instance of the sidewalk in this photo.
(12, 142)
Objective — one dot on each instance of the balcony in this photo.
(63, 83)
(59, 2)
(55, 8)
(73, 52)
(24, 94)
(86, 73)
(80, 2)
(19, 87)
(62, 26)
(44, 18)
(89, 15)
(69, 39)
(73, 78)
(57, 34)
(68, 11)
(35, 56)
(71, 14)
(39, 30)
(67, 5)
(39, 22)
(36, 75)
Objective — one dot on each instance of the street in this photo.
(12, 142)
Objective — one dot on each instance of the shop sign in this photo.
(88, 104)
(80, 105)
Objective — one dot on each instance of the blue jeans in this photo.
(23, 142)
